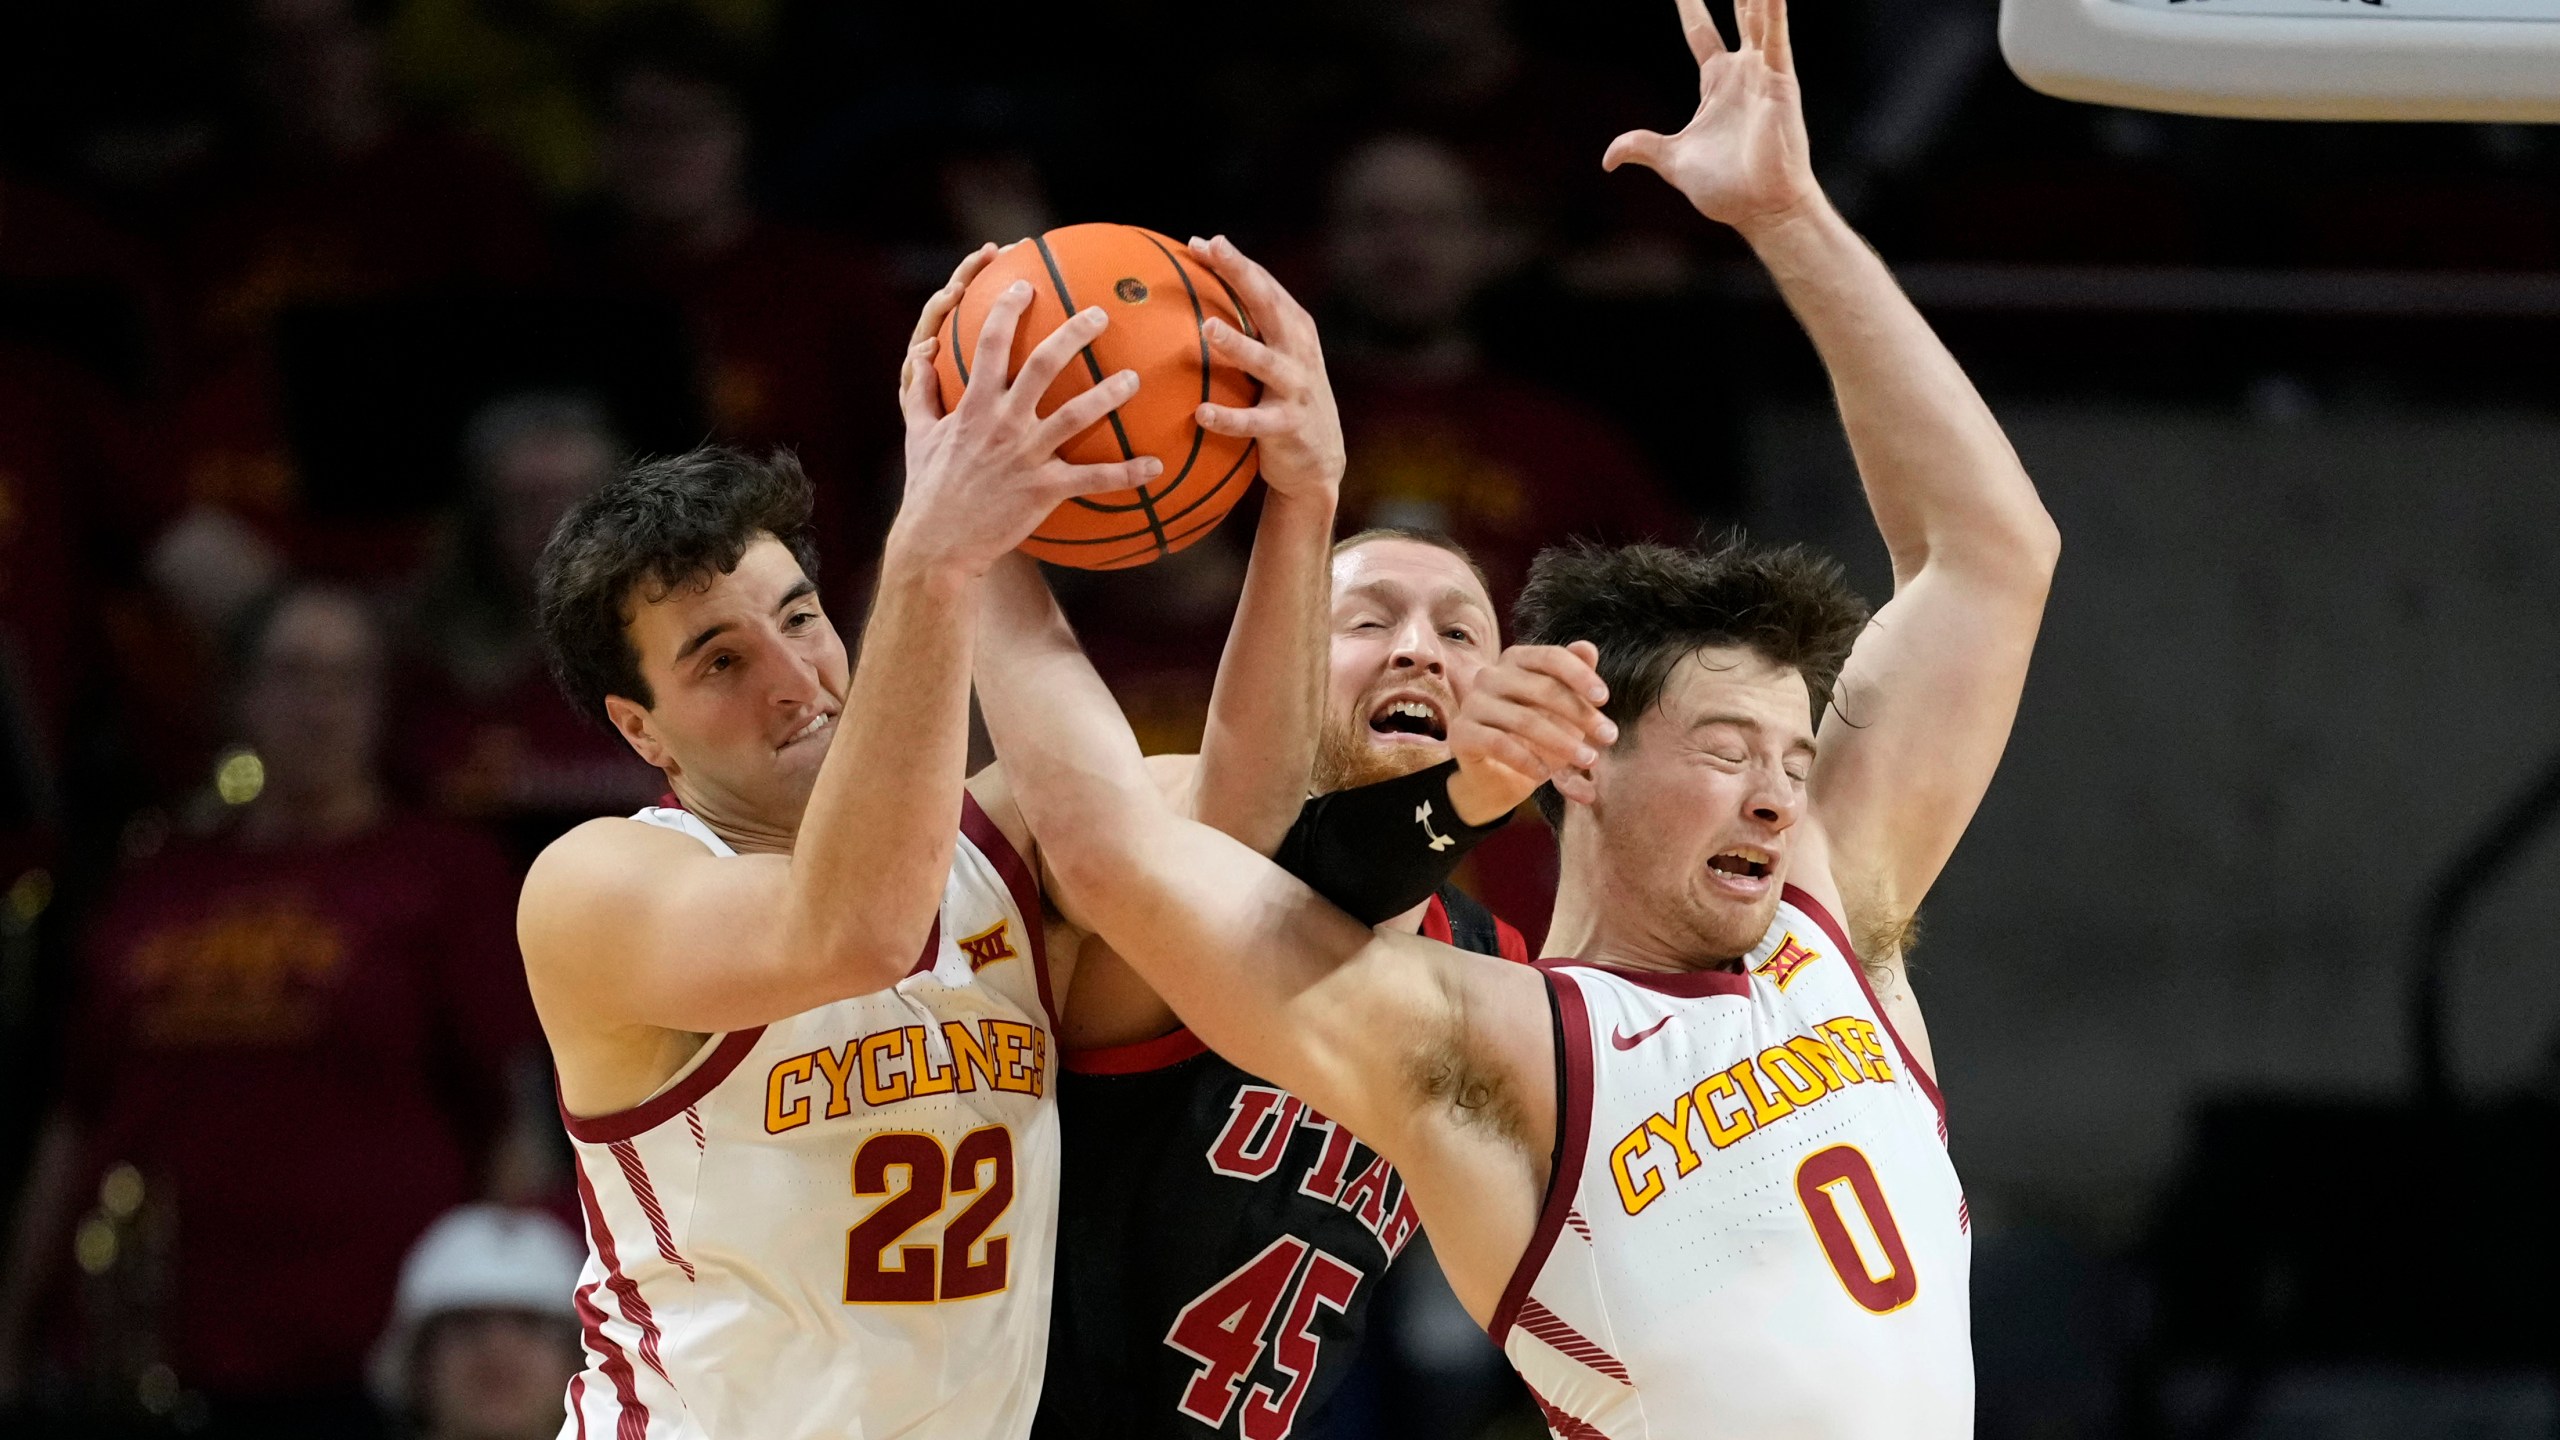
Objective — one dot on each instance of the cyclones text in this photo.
(888, 1066)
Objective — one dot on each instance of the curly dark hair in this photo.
(658, 525)
(1649, 607)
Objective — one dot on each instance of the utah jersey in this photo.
(1222, 1241)
(1754, 1230)
(840, 1224)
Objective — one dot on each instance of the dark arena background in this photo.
(2242, 985)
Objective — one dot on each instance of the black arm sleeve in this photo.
(1382, 849)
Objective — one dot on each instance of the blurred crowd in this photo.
(316, 314)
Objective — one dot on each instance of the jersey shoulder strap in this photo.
(1473, 927)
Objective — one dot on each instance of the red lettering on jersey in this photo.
(988, 946)
(1367, 1197)
(1401, 1224)
(1328, 1283)
(1790, 957)
(1332, 1168)
(1260, 1121)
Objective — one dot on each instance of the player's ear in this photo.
(632, 722)
(1574, 783)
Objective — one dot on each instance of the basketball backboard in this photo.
(2479, 60)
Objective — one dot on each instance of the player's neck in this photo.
(1582, 930)
(741, 826)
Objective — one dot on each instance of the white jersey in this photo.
(1754, 1229)
(840, 1224)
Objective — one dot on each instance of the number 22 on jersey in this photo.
(919, 1181)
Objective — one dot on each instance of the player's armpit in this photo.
(628, 924)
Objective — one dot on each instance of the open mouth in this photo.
(817, 725)
(1409, 715)
(1743, 863)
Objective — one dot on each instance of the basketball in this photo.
(1158, 299)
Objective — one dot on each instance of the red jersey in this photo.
(304, 1050)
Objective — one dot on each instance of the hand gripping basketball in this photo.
(1742, 159)
(1295, 423)
(982, 477)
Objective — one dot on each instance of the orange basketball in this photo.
(1158, 297)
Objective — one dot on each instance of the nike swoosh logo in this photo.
(1625, 1041)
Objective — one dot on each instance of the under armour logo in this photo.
(1422, 817)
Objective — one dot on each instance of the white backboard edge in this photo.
(2284, 67)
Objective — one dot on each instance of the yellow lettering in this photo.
(1825, 1060)
(1873, 1040)
(1012, 1050)
(1720, 1130)
(782, 1114)
(1631, 1195)
(1853, 1051)
(837, 1066)
(1765, 1107)
(928, 1080)
(876, 1088)
(1779, 1063)
(1675, 1128)
(969, 1056)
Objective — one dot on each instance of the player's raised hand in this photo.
(1530, 715)
(981, 478)
(1295, 423)
(1742, 159)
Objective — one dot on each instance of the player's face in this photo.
(1695, 811)
(1412, 628)
(748, 677)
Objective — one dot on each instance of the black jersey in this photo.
(1219, 1240)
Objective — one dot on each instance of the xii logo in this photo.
(988, 946)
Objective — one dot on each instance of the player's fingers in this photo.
(995, 340)
(919, 388)
(1259, 423)
(1565, 705)
(1052, 355)
(1065, 480)
(943, 301)
(1280, 311)
(1278, 371)
(1506, 753)
(1705, 41)
(1084, 411)
(1779, 50)
(1751, 24)
(1556, 741)
(1575, 666)
(1636, 147)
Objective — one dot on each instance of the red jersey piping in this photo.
(1840, 937)
(1573, 1126)
(984, 833)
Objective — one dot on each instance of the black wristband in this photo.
(1379, 850)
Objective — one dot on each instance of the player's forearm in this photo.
(1068, 755)
(1945, 485)
(1260, 743)
(875, 844)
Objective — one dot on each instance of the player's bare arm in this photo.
(1260, 739)
(1923, 709)
(1439, 1059)
(637, 940)
(1250, 777)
